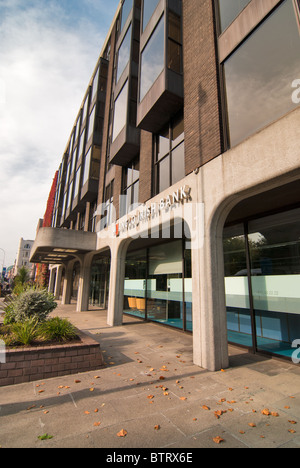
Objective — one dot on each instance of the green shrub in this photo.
(30, 304)
(58, 329)
(24, 333)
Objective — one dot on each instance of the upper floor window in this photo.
(124, 53)
(152, 58)
(169, 163)
(149, 7)
(229, 10)
(120, 111)
(130, 187)
(126, 9)
(259, 75)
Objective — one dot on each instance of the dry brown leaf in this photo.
(183, 398)
(251, 424)
(122, 433)
(150, 397)
(86, 412)
(218, 440)
(97, 423)
(292, 422)
(205, 408)
(292, 431)
(265, 412)
(77, 381)
(157, 427)
(276, 415)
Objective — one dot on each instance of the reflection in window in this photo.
(95, 85)
(130, 189)
(108, 209)
(259, 75)
(169, 161)
(149, 7)
(87, 163)
(229, 10)
(126, 9)
(91, 123)
(76, 185)
(152, 59)
(120, 112)
(174, 43)
(124, 53)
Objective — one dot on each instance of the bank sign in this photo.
(146, 212)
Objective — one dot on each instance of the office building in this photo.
(178, 194)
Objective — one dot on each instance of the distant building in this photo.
(23, 257)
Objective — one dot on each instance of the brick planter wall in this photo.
(39, 363)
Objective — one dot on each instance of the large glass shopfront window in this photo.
(266, 315)
(99, 286)
(158, 285)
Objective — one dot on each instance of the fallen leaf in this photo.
(77, 381)
(122, 433)
(183, 398)
(97, 423)
(45, 437)
(150, 397)
(265, 412)
(46, 412)
(205, 408)
(292, 431)
(161, 377)
(157, 427)
(287, 407)
(218, 440)
(251, 424)
(242, 432)
(276, 415)
(96, 410)
(92, 389)
(292, 422)
(86, 412)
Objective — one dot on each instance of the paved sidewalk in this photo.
(152, 390)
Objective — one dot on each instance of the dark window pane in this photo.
(163, 144)
(229, 10)
(174, 27)
(259, 75)
(174, 56)
(152, 59)
(178, 168)
(149, 8)
(177, 132)
(124, 53)
(164, 174)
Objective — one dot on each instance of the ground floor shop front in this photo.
(232, 276)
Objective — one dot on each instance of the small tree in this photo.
(30, 304)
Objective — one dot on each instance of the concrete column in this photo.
(59, 271)
(84, 284)
(116, 284)
(52, 280)
(67, 286)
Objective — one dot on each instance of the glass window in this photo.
(130, 190)
(170, 164)
(95, 85)
(174, 43)
(91, 123)
(76, 184)
(87, 163)
(120, 112)
(229, 10)
(124, 53)
(81, 144)
(135, 283)
(259, 75)
(236, 287)
(165, 284)
(108, 213)
(149, 7)
(152, 59)
(126, 9)
(275, 269)
(70, 194)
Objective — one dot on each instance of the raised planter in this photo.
(43, 362)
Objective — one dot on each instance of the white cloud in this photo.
(47, 57)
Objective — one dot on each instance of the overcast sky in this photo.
(48, 52)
